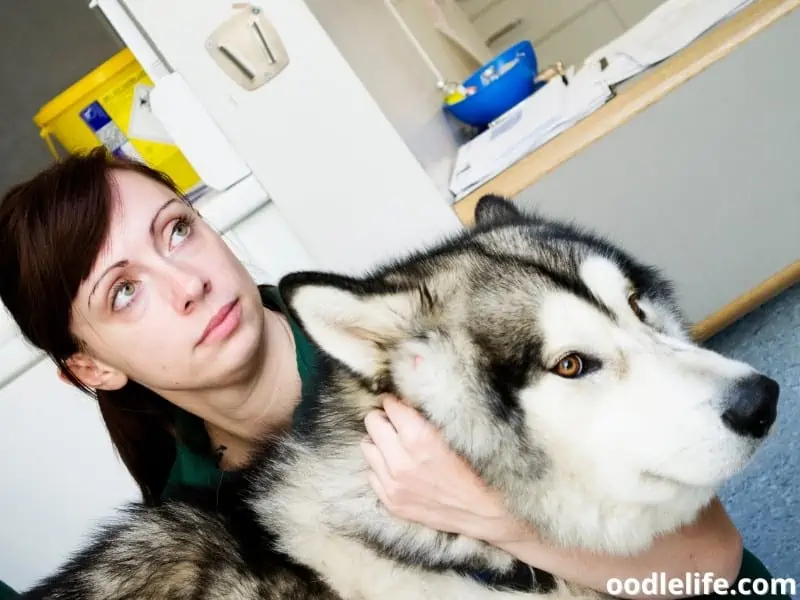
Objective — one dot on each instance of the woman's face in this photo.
(167, 303)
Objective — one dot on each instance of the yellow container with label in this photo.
(109, 107)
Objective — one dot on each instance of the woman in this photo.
(106, 268)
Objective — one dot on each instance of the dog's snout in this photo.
(752, 406)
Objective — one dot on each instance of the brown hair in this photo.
(52, 228)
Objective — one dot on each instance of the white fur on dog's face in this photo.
(642, 428)
(648, 421)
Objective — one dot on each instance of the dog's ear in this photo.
(492, 208)
(350, 319)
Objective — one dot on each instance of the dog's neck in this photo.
(571, 517)
(556, 504)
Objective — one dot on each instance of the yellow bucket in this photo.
(109, 107)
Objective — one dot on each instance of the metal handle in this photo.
(507, 28)
(263, 39)
(237, 60)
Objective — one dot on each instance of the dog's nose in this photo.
(752, 406)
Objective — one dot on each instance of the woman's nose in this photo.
(187, 287)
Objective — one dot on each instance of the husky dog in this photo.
(558, 366)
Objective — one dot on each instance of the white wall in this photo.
(58, 470)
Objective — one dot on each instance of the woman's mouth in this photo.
(223, 323)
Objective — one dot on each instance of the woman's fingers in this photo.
(383, 435)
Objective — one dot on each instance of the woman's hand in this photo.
(419, 478)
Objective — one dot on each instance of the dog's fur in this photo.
(558, 366)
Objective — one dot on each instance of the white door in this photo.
(344, 181)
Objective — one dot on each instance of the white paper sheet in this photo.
(537, 119)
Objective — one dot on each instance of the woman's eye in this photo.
(180, 231)
(123, 294)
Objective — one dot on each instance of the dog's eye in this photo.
(570, 366)
(633, 302)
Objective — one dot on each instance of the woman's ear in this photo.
(94, 373)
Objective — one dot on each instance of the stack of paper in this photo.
(540, 117)
(670, 27)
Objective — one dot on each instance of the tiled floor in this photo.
(764, 501)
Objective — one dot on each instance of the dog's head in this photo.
(553, 361)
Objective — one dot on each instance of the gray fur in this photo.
(462, 332)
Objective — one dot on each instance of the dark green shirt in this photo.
(6, 593)
(195, 464)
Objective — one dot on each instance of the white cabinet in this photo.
(473, 8)
(567, 30)
(505, 22)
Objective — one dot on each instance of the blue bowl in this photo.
(496, 95)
